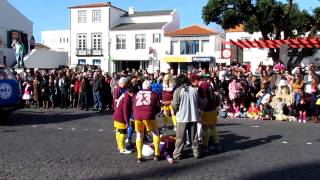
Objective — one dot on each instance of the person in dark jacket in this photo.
(97, 87)
(84, 88)
(64, 91)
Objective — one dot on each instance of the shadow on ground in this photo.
(164, 172)
(306, 171)
(26, 117)
(233, 142)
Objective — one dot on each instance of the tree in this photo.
(270, 17)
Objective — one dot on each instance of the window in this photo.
(189, 47)
(60, 40)
(140, 41)
(82, 41)
(204, 45)
(96, 16)
(96, 62)
(82, 16)
(96, 41)
(81, 61)
(67, 40)
(121, 41)
(156, 38)
(173, 45)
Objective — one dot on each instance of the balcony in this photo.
(89, 52)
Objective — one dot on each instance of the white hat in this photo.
(282, 82)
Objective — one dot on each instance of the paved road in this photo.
(70, 144)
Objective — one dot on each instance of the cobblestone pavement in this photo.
(72, 144)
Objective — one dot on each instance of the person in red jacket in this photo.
(209, 115)
(119, 89)
(146, 105)
(76, 91)
(121, 117)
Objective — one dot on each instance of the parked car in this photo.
(10, 93)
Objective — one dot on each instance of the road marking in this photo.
(256, 126)
(284, 142)
(86, 129)
(34, 126)
(73, 129)
(59, 128)
(309, 143)
(100, 130)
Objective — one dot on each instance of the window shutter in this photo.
(9, 39)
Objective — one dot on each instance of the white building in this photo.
(58, 40)
(247, 55)
(115, 39)
(139, 41)
(193, 47)
(13, 26)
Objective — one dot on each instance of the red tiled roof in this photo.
(194, 30)
(238, 28)
(108, 4)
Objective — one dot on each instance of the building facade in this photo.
(58, 40)
(116, 39)
(252, 56)
(13, 26)
(193, 47)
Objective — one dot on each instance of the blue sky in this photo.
(54, 14)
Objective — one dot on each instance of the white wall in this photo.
(12, 19)
(57, 40)
(45, 59)
(133, 54)
(252, 55)
(89, 28)
(146, 19)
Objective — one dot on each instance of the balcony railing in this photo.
(89, 52)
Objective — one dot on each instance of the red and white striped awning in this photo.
(292, 43)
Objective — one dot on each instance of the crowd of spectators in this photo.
(269, 93)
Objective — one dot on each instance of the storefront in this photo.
(188, 63)
(124, 65)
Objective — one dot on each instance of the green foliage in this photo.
(268, 16)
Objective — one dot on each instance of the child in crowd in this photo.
(265, 112)
(302, 111)
(234, 111)
(243, 111)
(278, 110)
(27, 94)
(225, 107)
(253, 112)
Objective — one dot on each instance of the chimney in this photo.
(131, 10)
